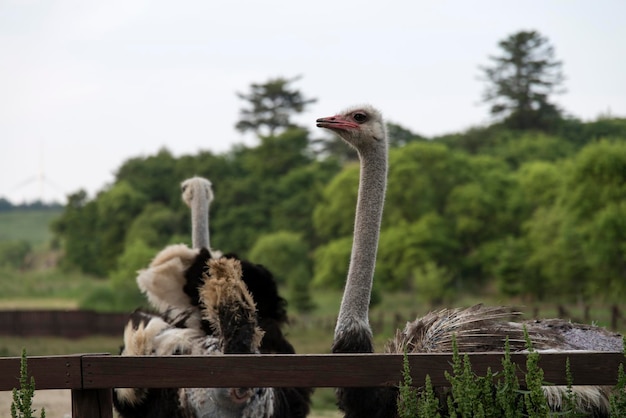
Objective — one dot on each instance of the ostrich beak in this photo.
(337, 122)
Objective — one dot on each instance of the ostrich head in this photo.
(360, 126)
(196, 188)
(197, 194)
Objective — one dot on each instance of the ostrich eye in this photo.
(360, 117)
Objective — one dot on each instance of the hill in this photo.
(27, 225)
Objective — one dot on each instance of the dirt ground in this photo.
(58, 404)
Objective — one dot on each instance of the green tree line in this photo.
(534, 208)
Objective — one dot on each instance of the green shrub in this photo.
(427, 403)
(21, 407)
(534, 399)
(13, 253)
(407, 401)
(618, 397)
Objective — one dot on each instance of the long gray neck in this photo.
(369, 210)
(200, 220)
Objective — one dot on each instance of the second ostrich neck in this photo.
(354, 309)
(200, 223)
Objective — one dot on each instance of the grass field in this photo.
(31, 226)
(44, 288)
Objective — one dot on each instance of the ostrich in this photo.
(230, 309)
(477, 328)
(172, 280)
(174, 284)
(271, 307)
(166, 284)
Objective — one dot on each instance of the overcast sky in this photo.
(85, 85)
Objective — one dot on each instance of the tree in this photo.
(117, 208)
(532, 146)
(5, 205)
(244, 203)
(521, 79)
(286, 254)
(574, 240)
(76, 228)
(298, 193)
(14, 253)
(421, 176)
(400, 136)
(333, 215)
(153, 176)
(432, 283)
(120, 293)
(331, 263)
(405, 248)
(155, 226)
(271, 106)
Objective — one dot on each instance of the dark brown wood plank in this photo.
(587, 368)
(52, 372)
(61, 323)
(92, 403)
(324, 370)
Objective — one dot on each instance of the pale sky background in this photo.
(85, 85)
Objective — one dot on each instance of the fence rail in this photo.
(61, 323)
(91, 376)
(81, 323)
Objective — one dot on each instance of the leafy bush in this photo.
(13, 253)
(618, 397)
(21, 407)
(408, 397)
(286, 254)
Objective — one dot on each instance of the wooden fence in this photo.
(90, 377)
(61, 323)
(611, 316)
(81, 323)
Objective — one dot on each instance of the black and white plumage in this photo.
(178, 285)
(477, 328)
(229, 308)
(271, 308)
(197, 194)
(149, 334)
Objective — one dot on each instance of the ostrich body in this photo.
(477, 328)
(197, 194)
(270, 306)
(200, 305)
(229, 307)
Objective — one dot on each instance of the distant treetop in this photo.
(7, 206)
(521, 80)
(271, 106)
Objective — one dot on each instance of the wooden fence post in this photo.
(92, 403)
(615, 316)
